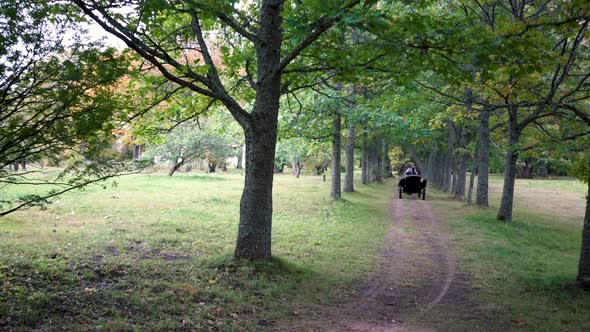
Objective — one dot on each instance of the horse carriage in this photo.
(411, 184)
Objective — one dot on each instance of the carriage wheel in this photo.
(424, 194)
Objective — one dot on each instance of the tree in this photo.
(55, 102)
(335, 191)
(189, 142)
(267, 57)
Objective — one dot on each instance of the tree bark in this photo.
(583, 279)
(461, 179)
(472, 179)
(372, 162)
(505, 211)
(279, 168)
(378, 167)
(428, 170)
(136, 151)
(349, 151)
(449, 164)
(416, 159)
(255, 228)
(335, 192)
(297, 166)
(176, 166)
(239, 156)
(365, 159)
(386, 167)
(483, 156)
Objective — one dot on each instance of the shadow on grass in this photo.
(274, 267)
(204, 178)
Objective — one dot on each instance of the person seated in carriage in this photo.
(411, 171)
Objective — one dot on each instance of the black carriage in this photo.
(412, 184)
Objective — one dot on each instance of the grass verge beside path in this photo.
(524, 269)
(154, 253)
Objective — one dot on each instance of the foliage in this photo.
(55, 100)
(190, 142)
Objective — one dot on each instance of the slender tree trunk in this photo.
(428, 171)
(472, 178)
(335, 192)
(297, 166)
(365, 160)
(378, 166)
(416, 159)
(349, 151)
(459, 192)
(136, 151)
(386, 164)
(461, 178)
(279, 168)
(448, 180)
(373, 161)
(583, 279)
(176, 166)
(505, 211)
(435, 168)
(455, 168)
(239, 156)
(483, 155)
(442, 169)
(255, 228)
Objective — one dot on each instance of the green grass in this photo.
(525, 269)
(155, 253)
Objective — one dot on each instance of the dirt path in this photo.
(416, 288)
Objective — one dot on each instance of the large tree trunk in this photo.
(255, 229)
(365, 159)
(505, 211)
(335, 192)
(583, 278)
(349, 151)
(483, 156)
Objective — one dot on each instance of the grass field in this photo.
(525, 269)
(154, 253)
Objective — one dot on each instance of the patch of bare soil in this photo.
(417, 286)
